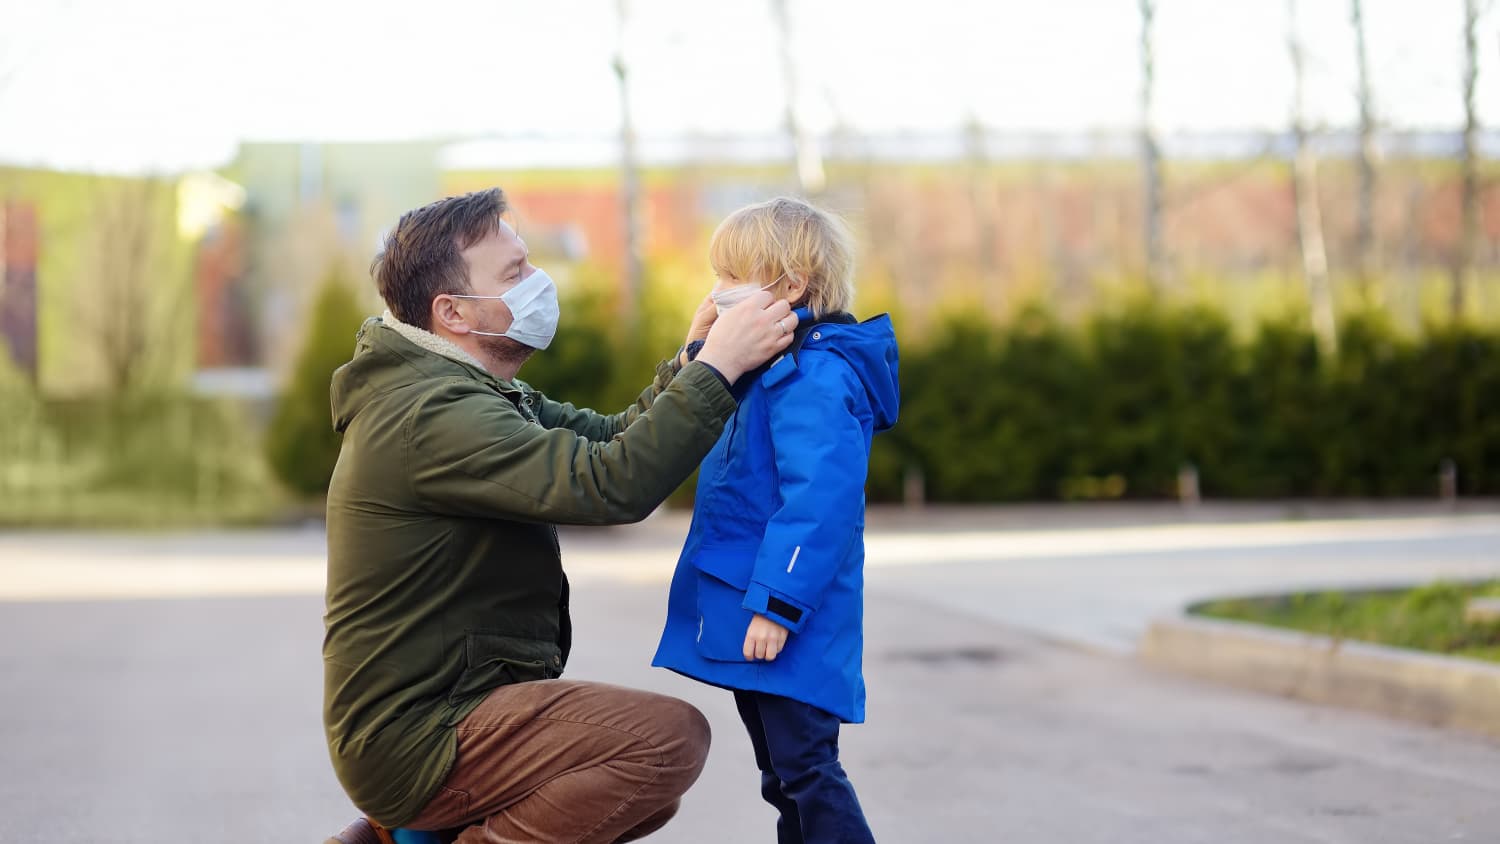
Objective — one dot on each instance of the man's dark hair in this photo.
(422, 258)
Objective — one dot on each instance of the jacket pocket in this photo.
(493, 659)
(723, 576)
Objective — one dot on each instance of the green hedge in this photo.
(1116, 405)
(1039, 408)
(138, 460)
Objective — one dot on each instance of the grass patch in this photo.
(1427, 618)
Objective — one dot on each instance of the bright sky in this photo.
(174, 84)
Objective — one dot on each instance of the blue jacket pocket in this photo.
(723, 576)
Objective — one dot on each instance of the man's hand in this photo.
(749, 334)
(764, 640)
(703, 320)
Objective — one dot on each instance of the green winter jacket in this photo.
(444, 580)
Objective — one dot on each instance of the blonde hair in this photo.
(786, 236)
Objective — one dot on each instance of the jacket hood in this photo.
(364, 377)
(869, 347)
(388, 355)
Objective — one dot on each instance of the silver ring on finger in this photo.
(781, 324)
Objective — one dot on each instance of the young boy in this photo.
(767, 599)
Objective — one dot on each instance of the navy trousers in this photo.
(797, 751)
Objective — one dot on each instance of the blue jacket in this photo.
(778, 527)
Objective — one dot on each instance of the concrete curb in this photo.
(1438, 690)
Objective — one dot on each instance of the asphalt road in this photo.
(130, 718)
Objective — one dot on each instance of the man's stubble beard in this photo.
(503, 352)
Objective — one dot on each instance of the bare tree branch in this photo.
(130, 295)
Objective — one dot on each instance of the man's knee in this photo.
(686, 739)
(653, 823)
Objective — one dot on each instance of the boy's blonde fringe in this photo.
(760, 242)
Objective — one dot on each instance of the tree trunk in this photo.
(807, 161)
(1150, 152)
(1365, 223)
(630, 179)
(1309, 216)
(1463, 267)
(981, 207)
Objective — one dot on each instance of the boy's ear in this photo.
(796, 286)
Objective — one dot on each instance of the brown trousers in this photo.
(564, 761)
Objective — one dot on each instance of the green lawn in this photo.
(1428, 618)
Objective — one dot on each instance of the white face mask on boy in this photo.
(728, 298)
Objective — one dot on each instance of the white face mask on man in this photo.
(533, 306)
(729, 297)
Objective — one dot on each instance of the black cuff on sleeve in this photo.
(783, 609)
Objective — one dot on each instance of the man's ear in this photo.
(445, 313)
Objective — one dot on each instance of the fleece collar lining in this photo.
(431, 342)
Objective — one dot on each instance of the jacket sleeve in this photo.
(819, 430)
(596, 426)
(471, 453)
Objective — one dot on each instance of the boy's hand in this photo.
(703, 320)
(764, 640)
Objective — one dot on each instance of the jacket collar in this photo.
(428, 341)
(447, 349)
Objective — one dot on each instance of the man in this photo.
(447, 608)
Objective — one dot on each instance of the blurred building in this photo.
(312, 211)
(964, 212)
(18, 295)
